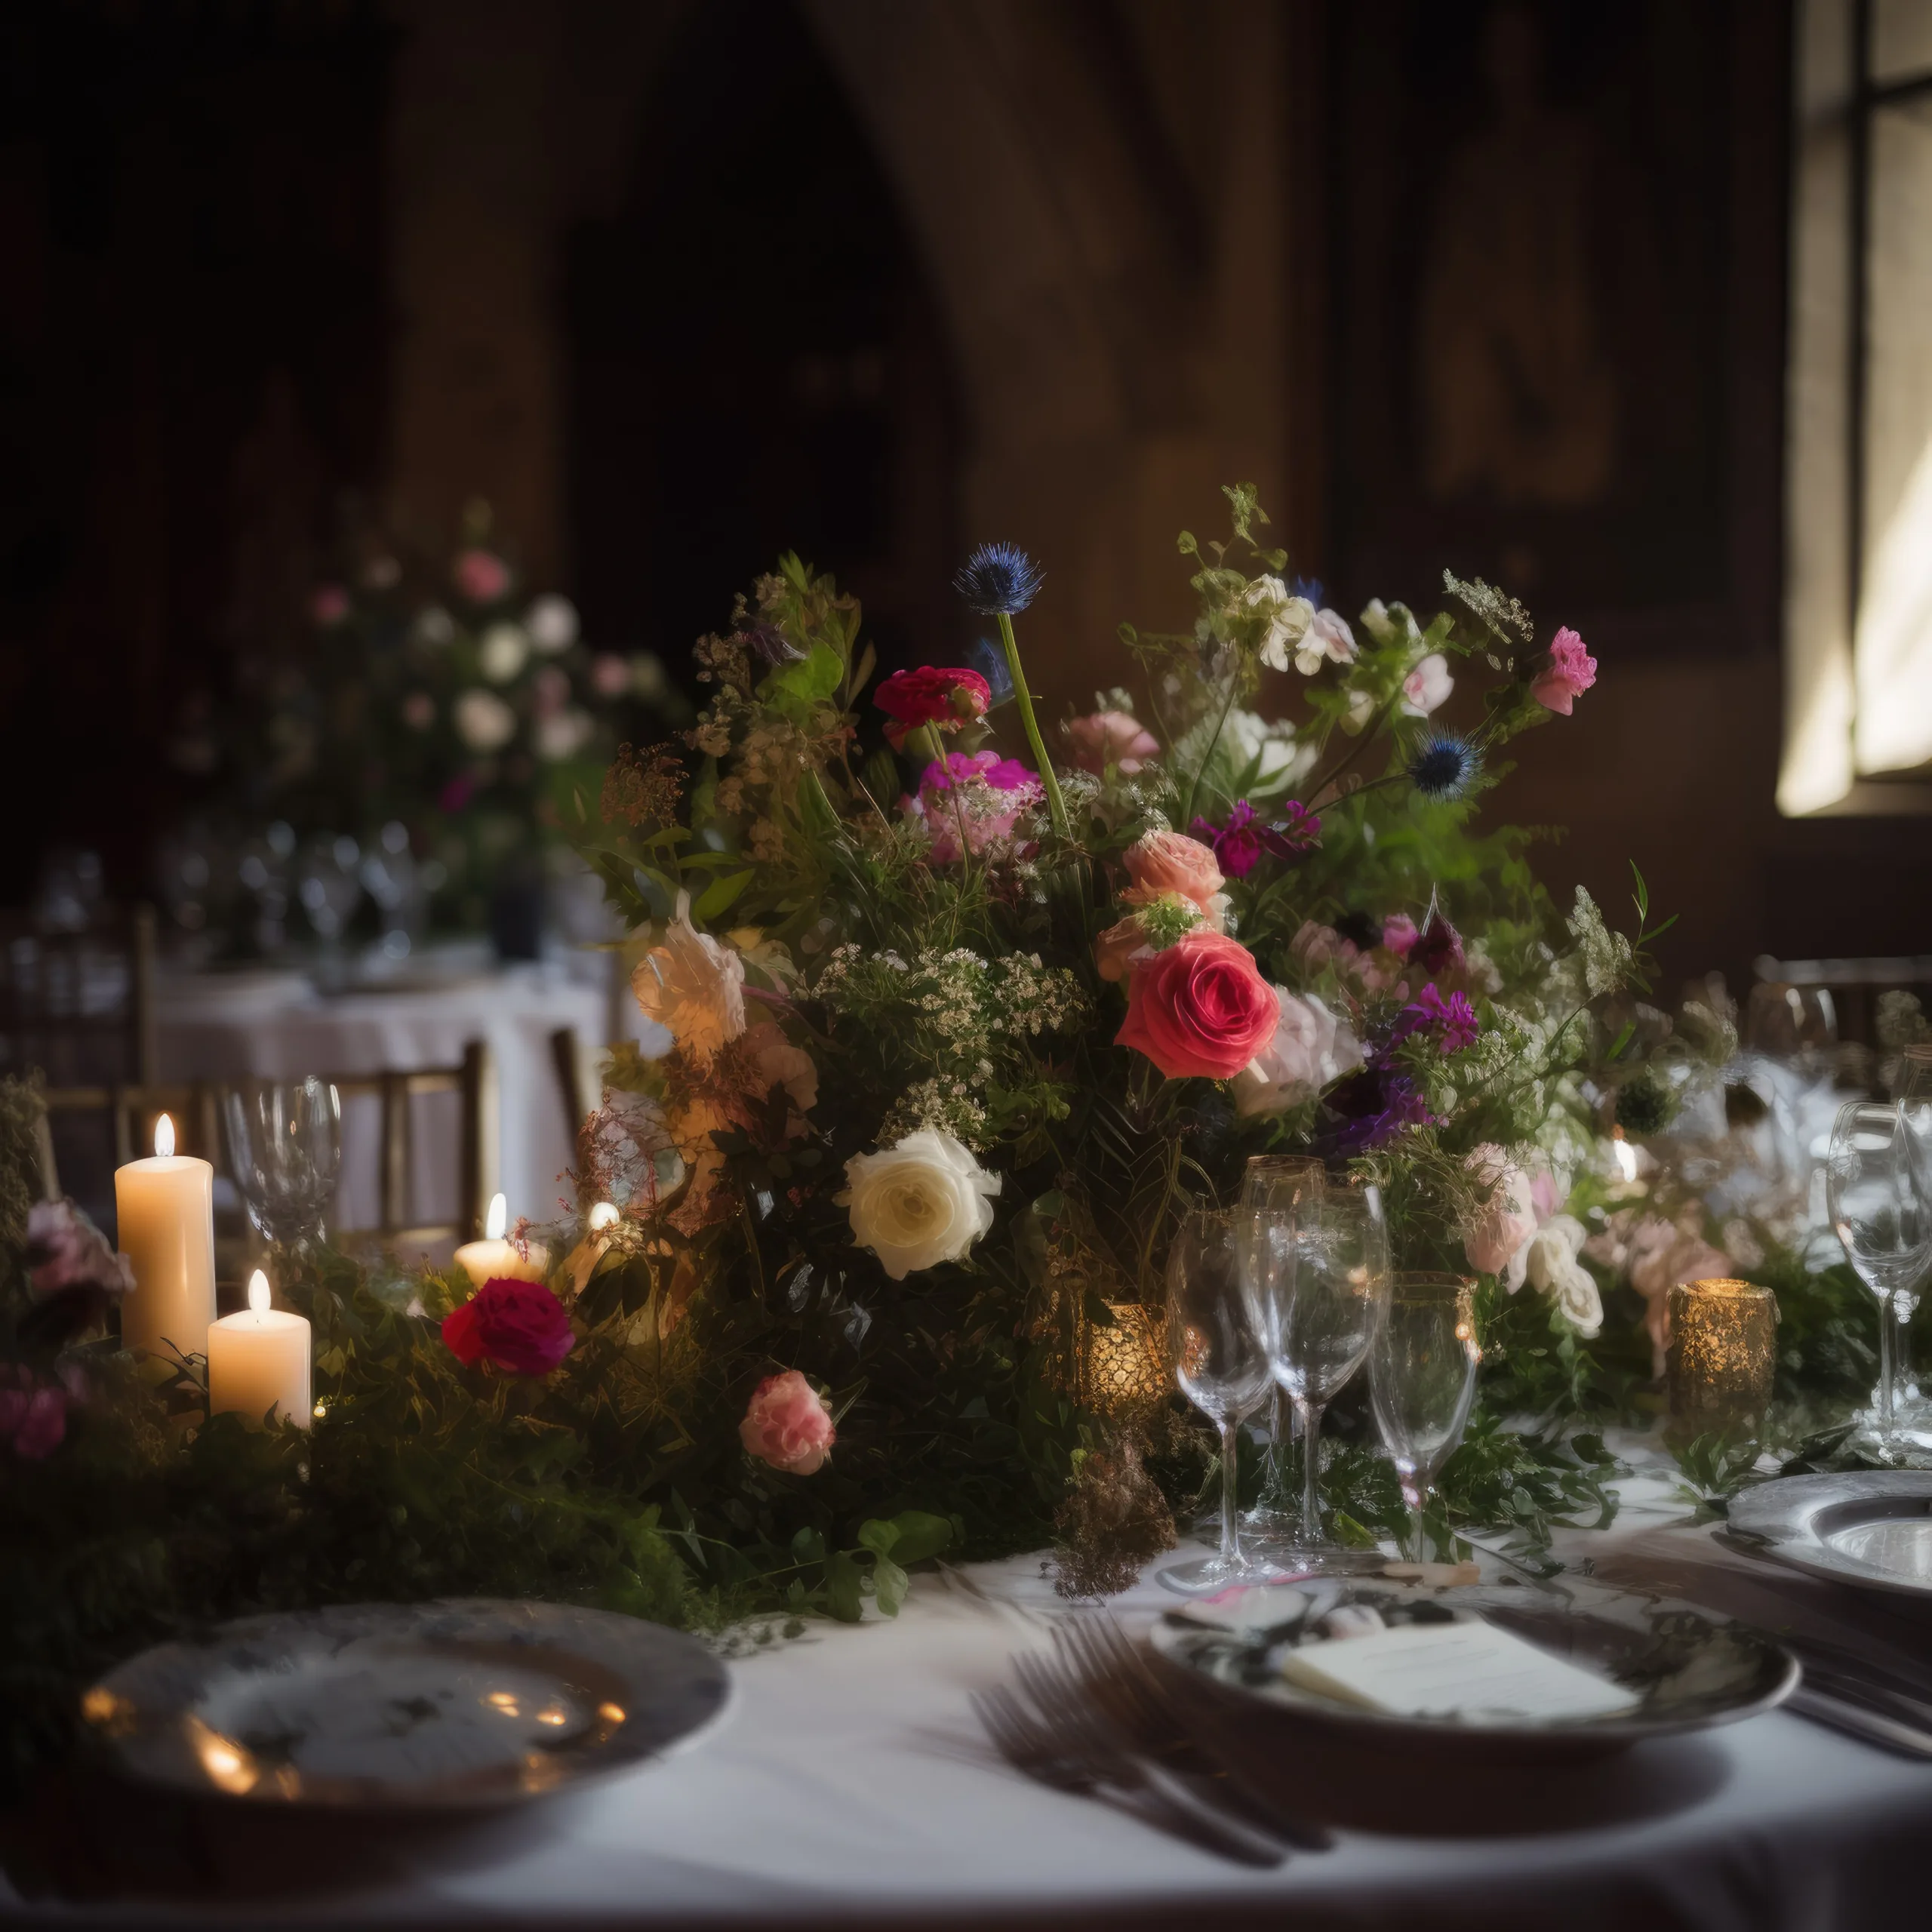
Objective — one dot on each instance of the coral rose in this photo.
(1164, 862)
(1116, 738)
(520, 1326)
(693, 985)
(787, 1425)
(1200, 1009)
(947, 698)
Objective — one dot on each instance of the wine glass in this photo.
(1795, 1024)
(284, 1142)
(1277, 1183)
(1340, 1289)
(1877, 1213)
(1220, 1364)
(1422, 1378)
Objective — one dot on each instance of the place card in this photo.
(1467, 1668)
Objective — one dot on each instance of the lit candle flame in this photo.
(604, 1215)
(498, 1218)
(163, 1137)
(258, 1292)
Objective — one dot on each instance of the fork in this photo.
(1076, 1762)
(1105, 1665)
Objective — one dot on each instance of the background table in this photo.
(278, 1025)
(850, 1786)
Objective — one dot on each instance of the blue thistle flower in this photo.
(1310, 587)
(1444, 767)
(999, 580)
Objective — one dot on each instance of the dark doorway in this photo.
(756, 362)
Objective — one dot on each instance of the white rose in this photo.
(1328, 639)
(1426, 686)
(1554, 1270)
(503, 653)
(483, 720)
(552, 624)
(922, 1202)
(562, 734)
(1311, 1047)
(693, 985)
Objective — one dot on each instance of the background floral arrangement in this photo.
(962, 1016)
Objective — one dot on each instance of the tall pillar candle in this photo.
(259, 1361)
(164, 1206)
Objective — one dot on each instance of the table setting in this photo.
(1143, 1325)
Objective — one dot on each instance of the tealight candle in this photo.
(1723, 1357)
(164, 1213)
(494, 1259)
(258, 1361)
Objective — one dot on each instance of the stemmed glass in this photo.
(1877, 1213)
(284, 1142)
(1220, 1364)
(1912, 1089)
(1422, 1378)
(1276, 1184)
(1325, 1323)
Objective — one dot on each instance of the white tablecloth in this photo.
(850, 1786)
(279, 1025)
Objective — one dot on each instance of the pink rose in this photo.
(1497, 1238)
(1572, 672)
(1200, 1008)
(610, 675)
(1315, 945)
(1399, 934)
(65, 1250)
(480, 576)
(33, 1417)
(787, 1426)
(1115, 738)
(1163, 862)
(518, 1326)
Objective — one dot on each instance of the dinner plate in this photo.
(1870, 1527)
(439, 1706)
(1688, 1672)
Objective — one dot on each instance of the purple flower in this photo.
(1239, 843)
(1453, 1020)
(1368, 1109)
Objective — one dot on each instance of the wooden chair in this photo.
(474, 1081)
(1854, 986)
(80, 1005)
(580, 1068)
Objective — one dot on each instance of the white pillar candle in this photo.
(259, 1361)
(164, 1210)
(494, 1259)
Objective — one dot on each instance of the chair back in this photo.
(1854, 986)
(579, 1064)
(80, 1005)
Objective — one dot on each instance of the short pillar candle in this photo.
(258, 1361)
(494, 1259)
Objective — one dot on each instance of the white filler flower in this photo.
(483, 722)
(922, 1202)
(553, 623)
(503, 653)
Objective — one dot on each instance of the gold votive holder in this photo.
(1722, 1359)
(1124, 1366)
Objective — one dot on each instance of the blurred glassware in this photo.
(285, 1141)
(1422, 1376)
(70, 891)
(264, 871)
(1790, 1024)
(1278, 1183)
(327, 884)
(1879, 1218)
(1219, 1365)
(389, 874)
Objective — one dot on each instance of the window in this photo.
(1858, 606)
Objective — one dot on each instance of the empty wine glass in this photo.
(1220, 1364)
(1278, 1183)
(1877, 1213)
(1340, 1288)
(1422, 1378)
(284, 1143)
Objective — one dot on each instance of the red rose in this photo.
(947, 698)
(520, 1326)
(1200, 1007)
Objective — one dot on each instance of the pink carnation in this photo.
(1572, 672)
(1110, 737)
(788, 1426)
(480, 576)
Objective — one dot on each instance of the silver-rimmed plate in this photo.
(1871, 1528)
(1686, 1671)
(442, 1705)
